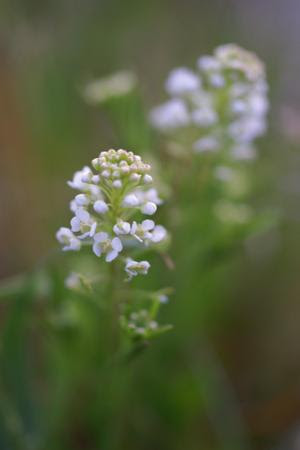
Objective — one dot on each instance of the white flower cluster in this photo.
(142, 325)
(115, 85)
(225, 100)
(108, 199)
(140, 322)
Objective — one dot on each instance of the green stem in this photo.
(112, 297)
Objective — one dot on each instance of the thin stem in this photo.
(112, 297)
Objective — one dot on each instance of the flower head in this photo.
(108, 199)
(225, 100)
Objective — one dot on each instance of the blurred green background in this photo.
(227, 377)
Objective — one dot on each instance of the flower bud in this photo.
(149, 208)
(100, 207)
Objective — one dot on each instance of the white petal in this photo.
(75, 244)
(63, 233)
(75, 224)
(159, 233)
(122, 228)
(116, 244)
(93, 229)
(133, 227)
(152, 196)
(97, 249)
(100, 237)
(82, 214)
(111, 255)
(73, 206)
(131, 200)
(84, 235)
(148, 225)
(117, 230)
(126, 227)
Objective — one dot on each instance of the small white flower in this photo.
(147, 232)
(147, 179)
(134, 268)
(96, 179)
(73, 281)
(77, 182)
(163, 298)
(142, 231)
(122, 227)
(239, 106)
(153, 324)
(103, 244)
(246, 129)
(130, 200)
(100, 207)
(181, 81)
(82, 200)
(158, 234)
(68, 239)
(208, 63)
(84, 223)
(206, 144)
(135, 177)
(117, 184)
(149, 208)
(169, 115)
(82, 217)
(150, 195)
(216, 80)
(258, 104)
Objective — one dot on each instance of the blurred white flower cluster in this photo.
(113, 86)
(142, 325)
(104, 209)
(223, 104)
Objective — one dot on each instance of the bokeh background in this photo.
(229, 377)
